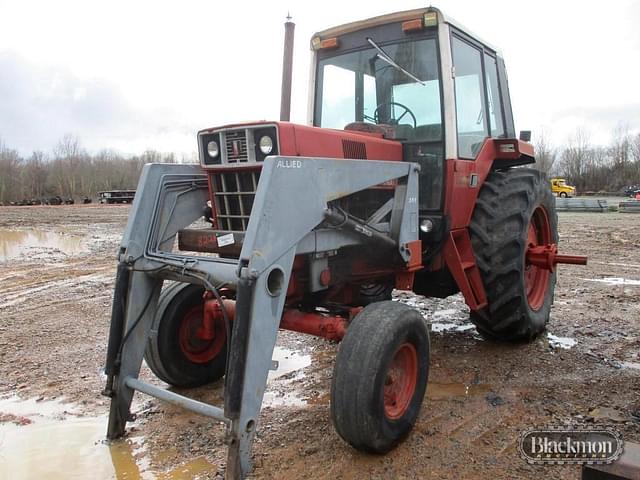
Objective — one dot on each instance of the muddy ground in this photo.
(57, 268)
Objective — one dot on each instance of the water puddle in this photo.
(442, 391)
(14, 243)
(55, 445)
(561, 342)
(288, 361)
(281, 384)
(279, 398)
(613, 281)
(34, 408)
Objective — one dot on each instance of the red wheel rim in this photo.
(195, 348)
(400, 382)
(536, 279)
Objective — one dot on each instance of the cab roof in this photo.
(399, 17)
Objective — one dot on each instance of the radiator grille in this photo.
(236, 146)
(234, 193)
(353, 149)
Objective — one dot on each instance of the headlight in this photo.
(212, 149)
(266, 144)
(426, 225)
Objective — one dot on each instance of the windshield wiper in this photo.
(382, 55)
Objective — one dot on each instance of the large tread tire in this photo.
(163, 353)
(499, 234)
(362, 376)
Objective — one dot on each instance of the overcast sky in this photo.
(133, 75)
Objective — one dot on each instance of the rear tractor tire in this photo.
(380, 376)
(174, 352)
(515, 210)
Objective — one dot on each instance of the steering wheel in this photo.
(395, 121)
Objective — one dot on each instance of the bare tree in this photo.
(70, 171)
(68, 156)
(635, 148)
(574, 158)
(189, 157)
(545, 153)
(10, 163)
(35, 173)
(621, 146)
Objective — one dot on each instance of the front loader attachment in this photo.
(292, 215)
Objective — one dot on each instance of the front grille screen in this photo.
(234, 193)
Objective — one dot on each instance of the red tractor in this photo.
(408, 176)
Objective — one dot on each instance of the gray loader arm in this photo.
(288, 218)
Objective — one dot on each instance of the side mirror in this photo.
(525, 135)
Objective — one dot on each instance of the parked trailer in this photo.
(315, 225)
(116, 196)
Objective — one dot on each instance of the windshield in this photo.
(394, 84)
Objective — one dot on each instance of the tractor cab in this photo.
(418, 78)
(412, 86)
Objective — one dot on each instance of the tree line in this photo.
(70, 171)
(589, 167)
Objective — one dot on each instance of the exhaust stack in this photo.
(287, 67)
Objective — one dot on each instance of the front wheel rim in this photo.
(195, 349)
(400, 381)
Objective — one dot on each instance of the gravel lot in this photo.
(57, 266)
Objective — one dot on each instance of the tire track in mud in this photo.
(66, 287)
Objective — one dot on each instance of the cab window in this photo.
(494, 100)
(471, 117)
(361, 87)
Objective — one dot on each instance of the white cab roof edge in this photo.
(399, 17)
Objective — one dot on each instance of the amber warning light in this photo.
(325, 44)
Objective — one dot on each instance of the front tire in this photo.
(380, 376)
(515, 209)
(174, 352)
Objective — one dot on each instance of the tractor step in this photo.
(458, 254)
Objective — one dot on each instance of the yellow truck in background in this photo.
(560, 188)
